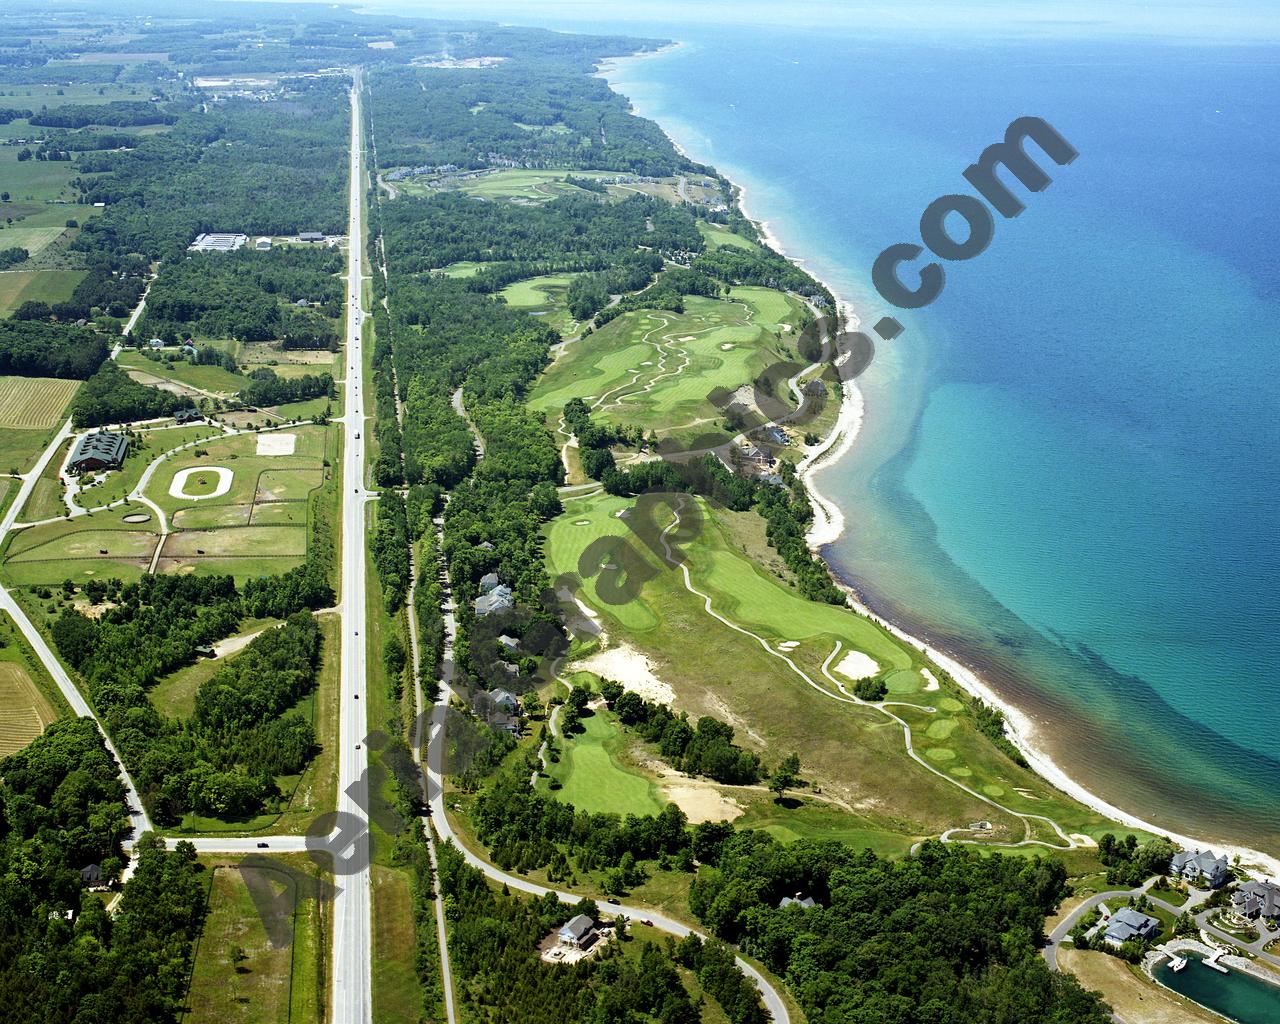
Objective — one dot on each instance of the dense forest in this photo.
(63, 959)
(112, 396)
(247, 295)
(225, 759)
(29, 348)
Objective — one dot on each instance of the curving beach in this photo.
(829, 525)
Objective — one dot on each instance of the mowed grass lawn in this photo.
(101, 545)
(272, 984)
(716, 236)
(19, 286)
(207, 378)
(543, 297)
(657, 369)
(855, 753)
(591, 776)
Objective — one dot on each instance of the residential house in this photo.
(578, 932)
(499, 599)
(102, 450)
(488, 582)
(509, 643)
(188, 415)
(91, 874)
(155, 344)
(507, 723)
(506, 700)
(1129, 925)
(1201, 868)
(1253, 900)
(798, 900)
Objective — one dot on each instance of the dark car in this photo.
(612, 900)
(262, 846)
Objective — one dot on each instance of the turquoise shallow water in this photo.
(1069, 467)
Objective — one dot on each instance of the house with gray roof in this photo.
(1253, 900)
(102, 450)
(1129, 925)
(798, 900)
(1201, 868)
(509, 643)
(488, 581)
(499, 599)
(578, 932)
(506, 700)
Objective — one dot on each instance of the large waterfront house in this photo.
(1129, 925)
(1257, 899)
(499, 599)
(1203, 869)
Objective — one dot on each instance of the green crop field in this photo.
(656, 369)
(271, 984)
(718, 668)
(19, 286)
(593, 779)
(34, 180)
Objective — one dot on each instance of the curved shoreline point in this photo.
(828, 525)
(178, 488)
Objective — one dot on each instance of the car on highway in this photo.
(263, 846)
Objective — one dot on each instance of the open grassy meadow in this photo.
(773, 670)
(19, 286)
(240, 973)
(716, 236)
(657, 369)
(213, 379)
(35, 181)
(524, 185)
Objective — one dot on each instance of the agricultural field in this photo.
(543, 297)
(38, 181)
(656, 369)
(240, 974)
(775, 666)
(24, 710)
(30, 407)
(19, 286)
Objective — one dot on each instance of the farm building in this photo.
(189, 415)
(218, 241)
(311, 236)
(262, 243)
(102, 450)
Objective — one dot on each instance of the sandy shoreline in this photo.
(829, 525)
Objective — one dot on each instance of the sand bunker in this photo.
(856, 665)
(582, 522)
(178, 489)
(626, 665)
(788, 645)
(687, 337)
(726, 346)
(137, 517)
(277, 444)
(701, 803)
(931, 681)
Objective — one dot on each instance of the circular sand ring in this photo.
(178, 489)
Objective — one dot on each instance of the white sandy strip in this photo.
(788, 645)
(624, 664)
(178, 489)
(931, 684)
(855, 665)
(275, 443)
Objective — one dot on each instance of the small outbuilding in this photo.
(102, 450)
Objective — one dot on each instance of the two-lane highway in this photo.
(352, 928)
